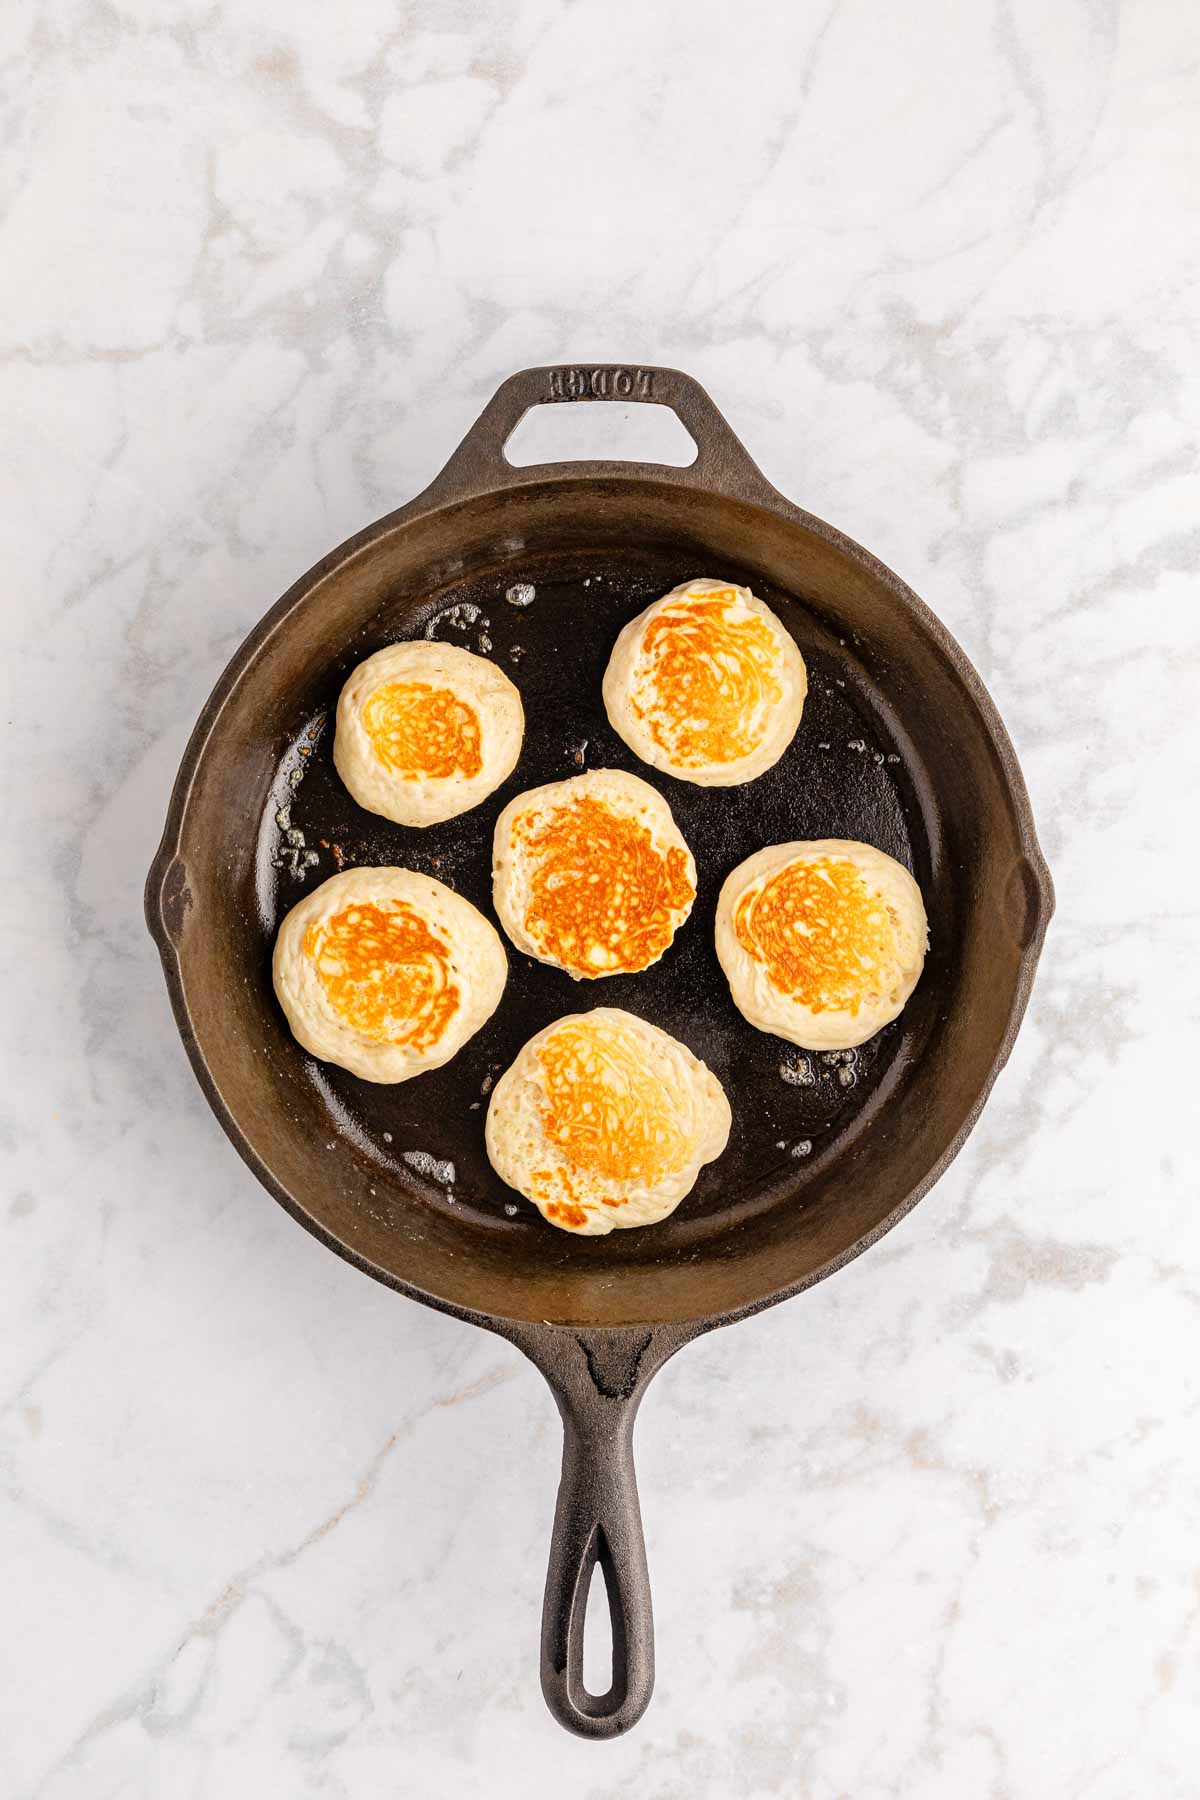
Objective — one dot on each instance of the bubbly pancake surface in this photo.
(707, 684)
(592, 874)
(423, 731)
(604, 1121)
(822, 936)
(385, 973)
(603, 897)
(606, 1112)
(822, 941)
(707, 678)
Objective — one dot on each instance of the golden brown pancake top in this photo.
(822, 936)
(385, 973)
(422, 732)
(603, 896)
(709, 682)
(606, 1113)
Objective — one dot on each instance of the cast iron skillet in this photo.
(900, 746)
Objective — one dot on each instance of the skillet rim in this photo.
(167, 898)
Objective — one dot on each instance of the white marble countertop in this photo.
(933, 1532)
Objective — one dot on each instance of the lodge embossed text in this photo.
(602, 384)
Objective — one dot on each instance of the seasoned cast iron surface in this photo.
(843, 776)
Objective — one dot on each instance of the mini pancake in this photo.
(706, 684)
(592, 874)
(425, 731)
(386, 972)
(822, 942)
(604, 1122)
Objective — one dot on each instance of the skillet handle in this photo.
(479, 465)
(598, 1379)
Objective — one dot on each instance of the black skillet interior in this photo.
(847, 774)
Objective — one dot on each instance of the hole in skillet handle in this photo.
(604, 1645)
(646, 434)
(599, 1625)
